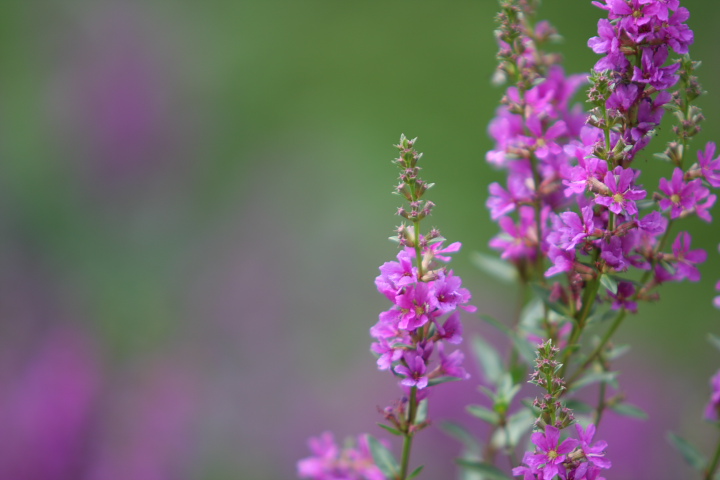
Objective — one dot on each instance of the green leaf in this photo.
(488, 471)
(601, 316)
(495, 267)
(462, 434)
(490, 361)
(518, 425)
(608, 282)
(444, 379)
(416, 472)
(578, 406)
(483, 413)
(629, 410)
(595, 377)
(422, 411)
(544, 294)
(617, 352)
(521, 344)
(390, 429)
(691, 455)
(532, 313)
(714, 340)
(383, 458)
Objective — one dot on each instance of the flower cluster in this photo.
(425, 295)
(552, 411)
(532, 129)
(571, 460)
(330, 462)
(630, 90)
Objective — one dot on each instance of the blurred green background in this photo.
(194, 201)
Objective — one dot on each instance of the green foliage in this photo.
(629, 410)
(489, 472)
(383, 458)
(691, 455)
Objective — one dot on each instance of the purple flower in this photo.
(501, 201)
(623, 298)
(414, 370)
(549, 455)
(709, 166)
(622, 191)
(614, 254)
(608, 42)
(563, 261)
(518, 241)
(394, 275)
(544, 141)
(595, 454)
(329, 462)
(713, 407)
(387, 352)
(451, 365)
(449, 295)
(686, 259)
(652, 72)
(681, 196)
(414, 305)
(451, 330)
(716, 300)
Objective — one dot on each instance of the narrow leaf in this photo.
(490, 361)
(590, 378)
(518, 424)
(629, 410)
(416, 472)
(390, 429)
(617, 352)
(608, 282)
(601, 316)
(521, 344)
(578, 406)
(383, 458)
(495, 267)
(488, 471)
(462, 434)
(422, 411)
(544, 295)
(714, 340)
(694, 458)
(483, 413)
(444, 379)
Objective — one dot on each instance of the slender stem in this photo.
(598, 350)
(407, 443)
(710, 471)
(587, 301)
(601, 399)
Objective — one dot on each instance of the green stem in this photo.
(598, 350)
(418, 250)
(601, 401)
(710, 471)
(407, 443)
(587, 301)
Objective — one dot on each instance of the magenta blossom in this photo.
(622, 194)
(330, 462)
(713, 407)
(550, 456)
(686, 258)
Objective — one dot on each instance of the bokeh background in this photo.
(194, 201)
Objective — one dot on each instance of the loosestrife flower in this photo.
(713, 407)
(331, 462)
(425, 294)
